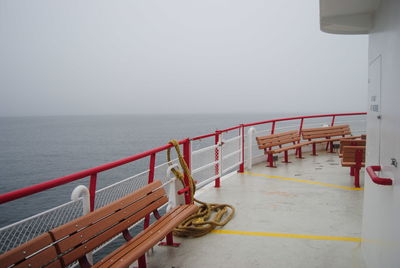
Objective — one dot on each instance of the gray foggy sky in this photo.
(175, 56)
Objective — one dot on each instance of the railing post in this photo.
(151, 167)
(298, 150)
(301, 126)
(92, 190)
(250, 137)
(333, 120)
(217, 159)
(241, 167)
(331, 142)
(273, 128)
(187, 157)
(152, 164)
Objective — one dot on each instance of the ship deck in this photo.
(303, 214)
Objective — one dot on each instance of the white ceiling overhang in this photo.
(347, 16)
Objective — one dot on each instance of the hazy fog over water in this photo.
(175, 56)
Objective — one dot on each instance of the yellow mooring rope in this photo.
(208, 215)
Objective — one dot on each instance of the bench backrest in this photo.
(37, 252)
(270, 141)
(325, 132)
(350, 154)
(350, 142)
(75, 239)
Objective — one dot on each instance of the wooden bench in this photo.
(354, 157)
(68, 243)
(350, 142)
(289, 138)
(326, 134)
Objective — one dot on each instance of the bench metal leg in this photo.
(299, 153)
(286, 158)
(314, 149)
(357, 177)
(142, 262)
(84, 262)
(331, 147)
(270, 160)
(170, 241)
(351, 171)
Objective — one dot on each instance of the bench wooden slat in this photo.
(326, 132)
(138, 246)
(348, 142)
(138, 239)
(352, 164)
(291, 140)
(295, 146)
(45, 256)
(278, 139)
(349, 155)
(290, 132)
(88, 246)
(106, 221)
(81, 222)
(265, 139)
(68, 243)
(326, 135)
(20, 253)
(269, 144)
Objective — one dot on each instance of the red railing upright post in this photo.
(241, 131)
(301, 126)
(187, 157)
(333, 120)
(152, 165)
(92, 190)
(331, 142)
(217, 156)
(298, 151)
(273, 127)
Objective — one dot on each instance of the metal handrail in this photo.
(378, 180)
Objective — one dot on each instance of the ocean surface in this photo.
(38, 149)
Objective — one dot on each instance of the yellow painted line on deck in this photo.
(314, 237)
(305, 181)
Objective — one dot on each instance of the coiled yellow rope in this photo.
(208, 215)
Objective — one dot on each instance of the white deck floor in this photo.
(267, 209)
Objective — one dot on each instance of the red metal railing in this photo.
(378, 180)
(93, 172)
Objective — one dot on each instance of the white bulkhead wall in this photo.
(381, 216)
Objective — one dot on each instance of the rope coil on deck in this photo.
(209, 215)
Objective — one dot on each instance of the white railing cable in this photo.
(204, 167)
(205, 149)
(231, 154)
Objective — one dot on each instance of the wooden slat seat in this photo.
(350, 142)
(37, 252)
(72, 241)
(326, 134)
(137, 247)
(354, 157)
(273, 144)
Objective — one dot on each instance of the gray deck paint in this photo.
(278, 206)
